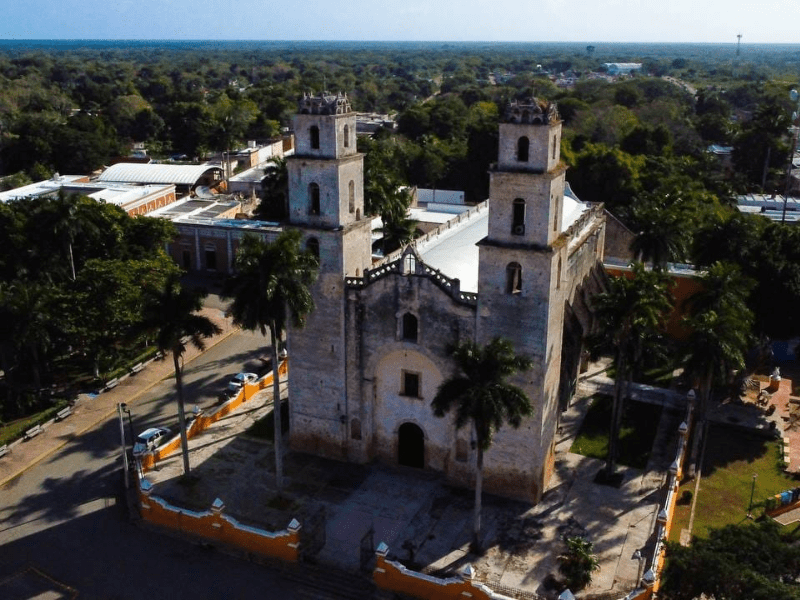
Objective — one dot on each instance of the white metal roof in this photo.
(155, 173)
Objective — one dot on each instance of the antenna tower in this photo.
(738, 42)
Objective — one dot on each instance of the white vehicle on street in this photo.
(150, 439)
(235, 384)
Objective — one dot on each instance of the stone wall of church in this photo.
(381, 357)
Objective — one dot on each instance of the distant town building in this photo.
(615, 68)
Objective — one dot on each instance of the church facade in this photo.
(373, 353)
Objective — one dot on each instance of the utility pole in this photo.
(738, 43)
(124, 449)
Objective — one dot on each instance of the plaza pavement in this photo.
(425, 522)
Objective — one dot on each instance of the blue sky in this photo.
(712, 21)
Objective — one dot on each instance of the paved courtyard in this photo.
(425, 522)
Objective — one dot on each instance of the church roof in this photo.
(454, 252)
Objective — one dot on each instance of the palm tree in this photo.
(171, 312)
(628, 320)
(720, 323)
(271, 286)
(480, 395)
(662, 234)
(578, 563)
(274, 205)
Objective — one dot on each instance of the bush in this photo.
(578, 563)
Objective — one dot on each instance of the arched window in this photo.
(312, 246)
(351, 192)
(347, 136)
(314, 137)
(513, 278)
(409, 327)
(313, 196)
(409, 264)
(518, 217)
(555, 146)
(523, 145)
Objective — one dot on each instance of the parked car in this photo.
(235, 384)
(150, 439)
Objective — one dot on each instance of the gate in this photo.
(312, 534)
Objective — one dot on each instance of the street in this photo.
(62, 516)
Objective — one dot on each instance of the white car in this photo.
(235, 384)
(150, 439)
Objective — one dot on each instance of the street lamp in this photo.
(125, 409)
(752, 491)
(794, 97)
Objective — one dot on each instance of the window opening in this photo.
(523, 145)
(352, 195)
(314, 136)
(513, 278)
(410, 384)
(346, 136)
(313, 193)
(409, 264)
(409, 327)
(518, 217)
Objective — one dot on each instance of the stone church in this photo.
(523, 266)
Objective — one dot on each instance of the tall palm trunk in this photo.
(620, 386)
(476, 532)
(276, 408)
(181, 412)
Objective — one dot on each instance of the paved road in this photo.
(203, 380)
(61, 515)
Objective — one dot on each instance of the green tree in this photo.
(480, 396)
(628, 321)
(171, 314)
(720, 323)
(578, 563)
(758, 561)
(269, 289)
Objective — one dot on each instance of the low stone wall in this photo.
(214, 526)
(392, 576)
(651, 579)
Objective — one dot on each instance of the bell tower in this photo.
(519, 295)
(326, 202)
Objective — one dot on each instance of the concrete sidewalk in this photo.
(91, 410)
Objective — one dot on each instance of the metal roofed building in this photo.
(133, 199)
(209, 233)
(184, 177)
(770, 206)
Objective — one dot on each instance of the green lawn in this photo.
(639, 424)
(16, 429)
(731, 459)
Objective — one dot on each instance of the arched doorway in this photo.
(411, 446)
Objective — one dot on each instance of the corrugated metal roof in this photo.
(155, 173)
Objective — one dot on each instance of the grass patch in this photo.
(15, 430)
(264, 428)
(639, 424)
(731, 458)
